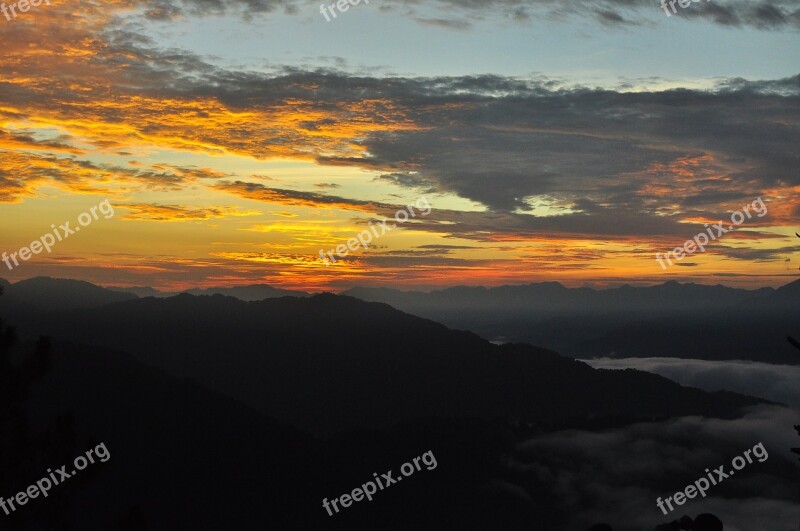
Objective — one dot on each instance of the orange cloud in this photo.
(156, 212)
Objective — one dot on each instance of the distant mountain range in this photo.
(331, 363)
(51, 294)
(668, 320)
(253, 292)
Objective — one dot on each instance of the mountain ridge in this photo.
(330, 363)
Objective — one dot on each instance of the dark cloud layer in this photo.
(775, 15)
(615, 476)
(477, 131)
(499, 141)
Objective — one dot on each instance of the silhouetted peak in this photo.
(465, 289)
(59, 293)
(140, 291)
(345, 303)
(790, 288)
(365, 292)
(54, 282)
(249, 292)
(185, 297)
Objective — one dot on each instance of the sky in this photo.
(239, 141)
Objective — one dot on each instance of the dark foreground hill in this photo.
(182, 457)
(328, 364)
(185, 458)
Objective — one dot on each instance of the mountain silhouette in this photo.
(250, 292)
(668, 320)
(45, 293)
(331, 363)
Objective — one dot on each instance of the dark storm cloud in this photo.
(610, 17)
(444, 23)
(259, 192)
(412, 259)
(775, 15)
(163, 10)
(446, 248)
(610, 156)
(23, 172)
(762, 15)
(536, 140)
(407, 180)
(27, 141)
(758, 255)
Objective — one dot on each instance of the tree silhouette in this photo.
(24, 454)
(790, 339)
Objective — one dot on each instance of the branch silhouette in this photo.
(797, 450)
(793, 342)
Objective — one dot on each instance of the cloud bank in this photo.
(616, 475)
